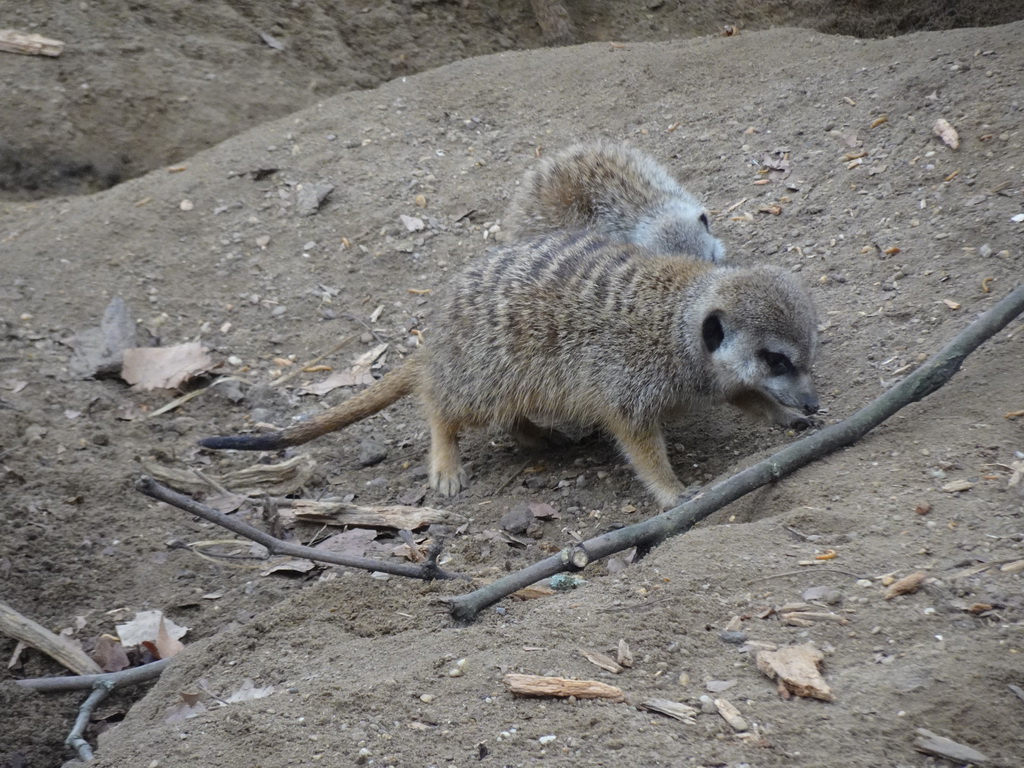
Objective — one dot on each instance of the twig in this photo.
(75, 739)
(428, 571)
(80, 682)
(299, 369)
(939, 369)
(59, 648)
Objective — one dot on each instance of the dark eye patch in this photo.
(778, 364)
(704, 221)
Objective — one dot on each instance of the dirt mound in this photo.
(143, 86)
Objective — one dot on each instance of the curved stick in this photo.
(934, 373)
(428, 571)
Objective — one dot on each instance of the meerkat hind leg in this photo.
(447, 475)
(645, 448)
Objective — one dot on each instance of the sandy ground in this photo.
(900, 251)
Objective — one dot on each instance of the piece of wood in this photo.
(59, 648)
(906, 585)
(342, 513)
(602, 660)
(933, 744)
(560, 687)
(796, 669)
(682, 712)
(29, 43)
(731, 715)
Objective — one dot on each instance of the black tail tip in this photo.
(269, 442)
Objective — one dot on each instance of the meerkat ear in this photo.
(712, 332)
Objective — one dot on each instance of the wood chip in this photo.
(29, 43)
(933, 744)
(907, 585)
(1015, 567)
(951, 304)
(536, 685)
(601, 660)
(796, 670)
(625, 656)
(731, 715)
(947, 133)
(681, 712)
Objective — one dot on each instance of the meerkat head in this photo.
(680, 226)
(758, 331)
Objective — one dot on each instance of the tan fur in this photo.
(576, 328)
(617, 190)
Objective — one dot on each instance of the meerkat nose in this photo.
(809, 402)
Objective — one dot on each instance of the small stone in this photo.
(733, 637)
(545, 740)
(186, 205)
(459, 669)
(517, 520)
(427, 698)
(985, 250)
(309, 197)
(371, 453)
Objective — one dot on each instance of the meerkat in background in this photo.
(574, 327)
(617, 190)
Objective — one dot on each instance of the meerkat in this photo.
(574, 327)
(618, 190)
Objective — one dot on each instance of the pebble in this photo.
(459, 669)
(427, 698)
(371, 453)
(279, 310)
(545, 740)
(733, 637)
(707, 705)
(517, 520)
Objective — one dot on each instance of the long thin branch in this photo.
(129, 676)
(934, 373)
(427, 571)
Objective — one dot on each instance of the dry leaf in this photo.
(145, 627)
(109, 654)
(248, 691)
(947, 133)
(164, 367)
(358, 374)
(168, 647)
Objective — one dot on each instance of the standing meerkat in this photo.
(576, 328)
(618, 190)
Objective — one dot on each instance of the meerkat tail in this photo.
(378, 396)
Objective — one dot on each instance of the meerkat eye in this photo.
(778, 364)
(704, 221)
